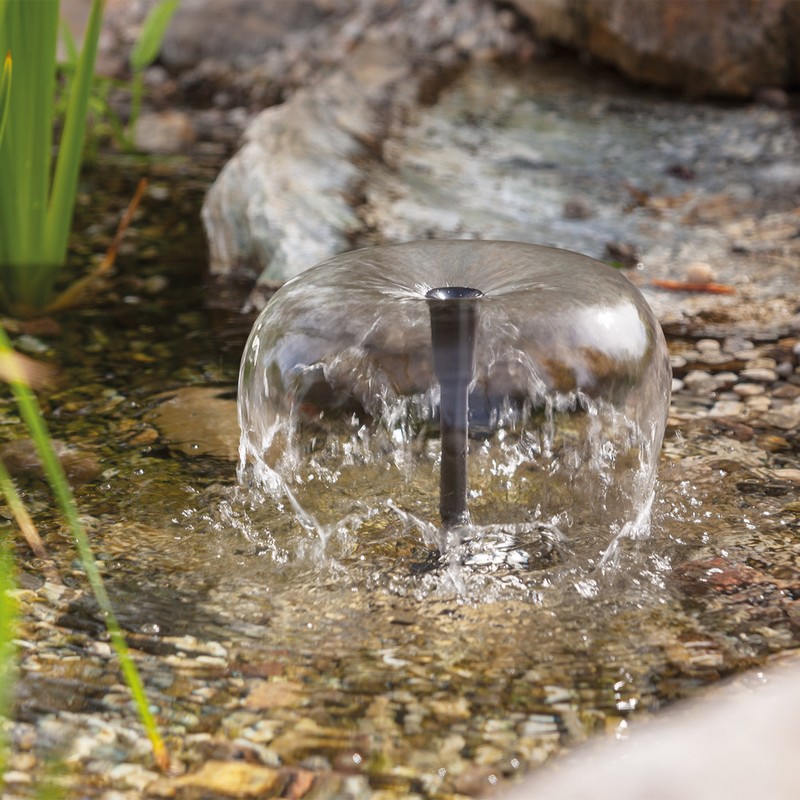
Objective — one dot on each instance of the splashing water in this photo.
(339, 412)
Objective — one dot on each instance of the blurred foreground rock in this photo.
(736, 743)
(704, 47)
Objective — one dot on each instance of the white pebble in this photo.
(758, 403)
(707, 346)
(700, 272)
(760, 374)
(727, 408)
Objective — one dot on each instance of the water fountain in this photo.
(522, 389)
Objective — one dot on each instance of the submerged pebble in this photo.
(760, 374)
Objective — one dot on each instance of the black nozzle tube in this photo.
(454, 317)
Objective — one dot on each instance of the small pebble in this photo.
(700, 272)
(577, 208)
(758, 403)
(762, 363)
(746, 354)
(786, 391)
(677, 362)
(700, 382)
(760, 374)
(726, 378)
(786, 418)
(785, 369)
(749, 389)
(787, 474)
(707, 346)
(677, 384)
(733, 344)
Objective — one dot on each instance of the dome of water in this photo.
(568, 380)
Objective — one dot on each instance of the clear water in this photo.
(444, 675)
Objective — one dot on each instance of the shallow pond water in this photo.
(363, 668)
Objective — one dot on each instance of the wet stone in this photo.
(727, 408)
(707, 346)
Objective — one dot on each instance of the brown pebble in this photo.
(22, 460)
(749, 389)
(786, 391)
(772, 444)
(577, 208)
(771, 96)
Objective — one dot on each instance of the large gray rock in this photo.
(289, 197)
(281, 204)
(720, 47)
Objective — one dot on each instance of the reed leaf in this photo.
(35, 212)
(28, 30)
(65, 182)
(155, 26)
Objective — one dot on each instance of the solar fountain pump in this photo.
(454, 316)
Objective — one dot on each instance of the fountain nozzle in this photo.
(454, 317)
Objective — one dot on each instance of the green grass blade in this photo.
(29, 411)
(144, 53)
(8, 654)
(65, 181)
(20, 513)
(5, 93)
(152, 34)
